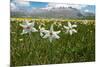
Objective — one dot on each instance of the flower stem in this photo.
(50, 46)
(31, 38)
(32, 44)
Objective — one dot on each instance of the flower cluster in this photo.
(50, 34)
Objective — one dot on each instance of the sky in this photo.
(17, 4)
(38, 4)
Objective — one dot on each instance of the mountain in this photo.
(61, 12)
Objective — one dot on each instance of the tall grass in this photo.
(33, 50)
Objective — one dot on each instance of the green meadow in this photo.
(32, 49)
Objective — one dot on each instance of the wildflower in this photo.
(51, 34)
(69, 28)
(58, 24)
(28, 27)
(55, 23)
(85, 21)
(42, 31)
(20, 39)
(13, 19)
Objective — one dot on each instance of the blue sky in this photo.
(29, 5)
(38, 4)
(91, 8)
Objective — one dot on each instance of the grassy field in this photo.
(34, 50)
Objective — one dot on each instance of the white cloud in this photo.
(16, 5)
(13, 6)
(77, 6)
(24, 3)
(21, 2)
(57, 5)
(86, 10)
(46, 8)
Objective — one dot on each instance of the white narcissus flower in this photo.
(51, 34)
(28, 27)
(42, 31)
(70, 28)
(13, 19)
(85, 21)
(57, 24)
